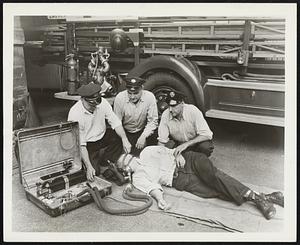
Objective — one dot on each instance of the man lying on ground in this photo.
(192, 172)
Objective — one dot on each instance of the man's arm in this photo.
(200, 138)
(126, 144)
(201, 125)
(152, 118)
(202, 130)
(163, 129)
(152, 123)
(90, 171)
(118, 107)
(116, 125)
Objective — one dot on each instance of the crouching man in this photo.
(192, 172)
(137, 110)
(185, 125)
(91, 112)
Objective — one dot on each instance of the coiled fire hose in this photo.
(100, 202)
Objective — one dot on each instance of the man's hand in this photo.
(126, 145)
(90, 173)
(180, 161)
(141, 142)
(179, 149)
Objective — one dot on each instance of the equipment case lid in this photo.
(48, 149)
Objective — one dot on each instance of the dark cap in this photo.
(174, 97)
(134, 84)
(89, 90)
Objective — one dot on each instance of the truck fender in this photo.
(181, 66)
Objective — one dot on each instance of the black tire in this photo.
(161, 81)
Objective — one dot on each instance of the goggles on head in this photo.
(93, 100)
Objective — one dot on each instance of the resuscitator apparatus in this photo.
(99, 68)
(54, 178)
(72, 74)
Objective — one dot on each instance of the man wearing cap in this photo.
(91, 112)
(185, 125)
(137, 109)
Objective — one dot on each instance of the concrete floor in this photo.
(252, 153)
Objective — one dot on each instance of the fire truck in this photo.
(230, 68)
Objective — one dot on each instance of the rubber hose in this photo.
(139, 197)
(136, 197)
(125, 211)
(93, 196)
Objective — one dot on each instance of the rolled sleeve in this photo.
(74, 117)
(111, 117)
(163, 129)
(152, 119)
(118, 107)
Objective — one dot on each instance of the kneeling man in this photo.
(91, 112)
(185, 125)
(137, 110)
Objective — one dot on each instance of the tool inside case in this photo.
(51, 169)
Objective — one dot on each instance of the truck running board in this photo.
(265, 86)
(243, 117)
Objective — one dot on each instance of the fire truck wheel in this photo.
(162, 82)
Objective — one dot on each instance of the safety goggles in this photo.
(96, 100)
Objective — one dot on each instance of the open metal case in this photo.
(51, 170)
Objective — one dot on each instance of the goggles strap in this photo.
(124, 158)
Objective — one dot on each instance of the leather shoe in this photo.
(276, 198)
(267, 208)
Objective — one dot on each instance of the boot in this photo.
(267, 208)
(276, 198)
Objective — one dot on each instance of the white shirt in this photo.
(154, 168)
(140, 116)
(92, 126)
(187, 128)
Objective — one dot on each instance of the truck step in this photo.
(246, 85)
(243, 117)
